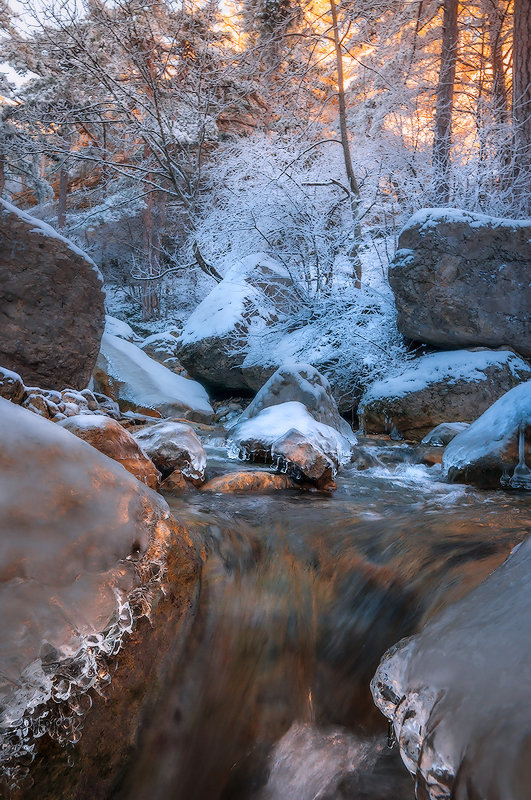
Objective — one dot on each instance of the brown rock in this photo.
(462, 279)
(11, 386)
(108, 436)
(51, 303)
(302, 460)
(176, 484)
(249, 482)
(174, 446)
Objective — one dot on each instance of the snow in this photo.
(449, 367)
(47, 230)
(224, 307)
(143, 382)
(492, 431)
(86, 421)
(117, 327)
(274, 422)
(428, 218)
(459, 692)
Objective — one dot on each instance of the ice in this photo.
(274, 422)
(226, 304)
(444, 433)
(449, 367)
(142, 382)
(76, 528)
(458, 694)
(173, 445)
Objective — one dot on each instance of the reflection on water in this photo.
(301, 596)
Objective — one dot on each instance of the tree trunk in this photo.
(499, 83)
(522, 91)
(442, 141)
(349, 169)
(61, 200)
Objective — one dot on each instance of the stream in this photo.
(301, 595)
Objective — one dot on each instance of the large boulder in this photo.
(86, 551)
(458, 694)
(248, 299)
(462, 279)
(496, 449)
(453, 386)
(174, 446)
(108, 436)
(51, 303)
(138, 383)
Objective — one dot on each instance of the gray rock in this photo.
(174, 446)
(51, 303)
(443, 434)
(462, 279)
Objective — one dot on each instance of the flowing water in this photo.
(301, 595)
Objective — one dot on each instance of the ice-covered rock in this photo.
(117, 327)
(164, 347)
(288, 434)
(304, 384)
(462, 279)
(51, 303)
(11, 385)
(174, 446)
(138, 383)
(442, 434)
(452, 386)
(108, 436)
(458, 694)
(80, 539)
(496, 449)
(248, 298)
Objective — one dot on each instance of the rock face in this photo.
(51, 303)
(458, 694)
(453, 386)
(108, 436)
(304, 384)
(462, 279)
(496, 449)
(248, 298)
(85, 551)
(174, 446)
(138, 383)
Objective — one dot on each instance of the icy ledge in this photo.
(458, 694)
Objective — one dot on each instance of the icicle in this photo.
(521, 477)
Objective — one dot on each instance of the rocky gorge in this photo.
(199, 585)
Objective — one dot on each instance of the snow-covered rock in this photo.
(174, 446)
(248, 298)
(452, 386)
(79, 535)
(496, 449)
(117, 327)
(304, 384)
(442, 434)
(164, 347)
(289, 435)
(51, 303)
(108, 436)
(458, 694)
(126, 374)
(462, 279)
(11, 385)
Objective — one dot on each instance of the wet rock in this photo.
(249, 483)
(456, 385)
(252, 293)
(496, 449)
(138, 383)
(458, 693)
(164, 347)
(304, 384)
(443, 434)
(86, 550)
(11, 386)
(475, 271)
(303, 460)
(108, 436)
(177, 484)
(174, 446)
(51, 303)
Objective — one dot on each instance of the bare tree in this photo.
(522, 88)
(442, 140)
